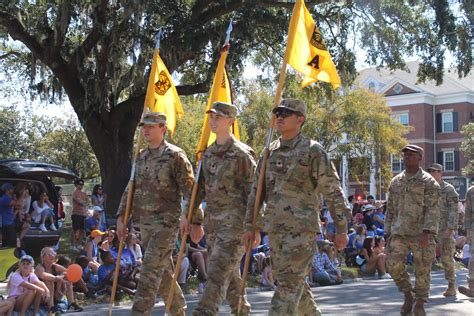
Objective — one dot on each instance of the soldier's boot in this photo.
(451, 290)
(468, 291)
(407, 304)
(419, 309)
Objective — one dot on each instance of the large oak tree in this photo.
(97, 52)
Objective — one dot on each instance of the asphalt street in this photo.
(361, 297)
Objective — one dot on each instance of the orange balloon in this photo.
(74, 273)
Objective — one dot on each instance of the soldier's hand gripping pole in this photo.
(192, 200)
(261, 180)
(128, 208)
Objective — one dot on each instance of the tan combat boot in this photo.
(451, 290)
(407, 304)
(419, 309)
(468, 291)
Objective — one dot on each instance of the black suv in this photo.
(38, 176)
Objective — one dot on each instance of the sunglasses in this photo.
(283, 113)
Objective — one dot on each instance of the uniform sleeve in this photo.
(468, 216)
(327, 181)
(389, 212)
(198, 214)
(185, 179)
(431, 208)
(453, 199)
(248, 223)
(246, 172)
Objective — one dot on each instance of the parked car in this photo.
(38, 175)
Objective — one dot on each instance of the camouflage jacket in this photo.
(225, 183)
(297, 171)
(448, 218)
(469, 216)
(163, 177)
(413, 204)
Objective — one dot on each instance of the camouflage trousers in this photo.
(447, 249)
(397, 251)
(223, 276)
(156, 272)
(470, 266)
(292, 255)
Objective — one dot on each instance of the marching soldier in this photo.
(163, 176)
(448, 225)
(411, 222)
(297, 170)
(228, 168)
(469, 226)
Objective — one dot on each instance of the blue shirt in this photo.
(91, 223)
(7, 210)
(104, 271)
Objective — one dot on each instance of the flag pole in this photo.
(169, 301)
(266, 151)
(128, 205)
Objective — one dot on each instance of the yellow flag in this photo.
(220, 91)
(306, 51)
(161, 94)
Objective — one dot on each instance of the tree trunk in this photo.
(111, 135)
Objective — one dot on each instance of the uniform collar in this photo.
(156, 151)
(290, 143)
(223, 147)
(417, 175)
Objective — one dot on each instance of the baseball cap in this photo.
(153, 118)
(27, 258)
(293, 105)
(378, 205)
(413, 148)
(7, 186)
(96, 233)
(224, 109)
(368, 207)
(435, 167)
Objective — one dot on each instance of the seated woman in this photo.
(133, 245)
(197, 255)
(372, 262)
(108, 241)
(26, 288)
(379, 245)
(91, 249)
(54, 276)
(22, 210)
(267, 275)
(358, 241)
(42, 210)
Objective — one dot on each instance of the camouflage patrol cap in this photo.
(293, 105)
(413, 148)
(153, 118)
(224, 109)
(435, 167)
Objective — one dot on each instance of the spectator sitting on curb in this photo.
(372, 262)
(267, 275)
(358, 241)
(91, 249)
(7, 306)
(369, 224)
(323, 271)
(43, 209)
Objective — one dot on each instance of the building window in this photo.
(398, 88)
(448, 159)
(447, 122)
(402, 118)
(397, 163)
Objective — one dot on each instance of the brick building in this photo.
(435, 114)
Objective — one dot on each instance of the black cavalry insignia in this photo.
(163, 83)
(317, 39)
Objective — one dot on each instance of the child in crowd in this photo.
(25, 287)
(98, 201)
(106, 274)
(91, 249)
(90, 278)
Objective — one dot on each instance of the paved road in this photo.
(362, 297)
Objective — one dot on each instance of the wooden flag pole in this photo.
(192, 200)
(128, 207)
(261, 180)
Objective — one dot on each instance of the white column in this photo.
(345, 175)
(373, 171)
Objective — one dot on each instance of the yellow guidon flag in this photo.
(220, 91)
(306, 51)
(161, 94)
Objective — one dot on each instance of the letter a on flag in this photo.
(306, 51)
(220, 91)
(161, 94)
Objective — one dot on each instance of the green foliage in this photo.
(52, 140)
(467, 148)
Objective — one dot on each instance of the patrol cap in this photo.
(153, 118)
(293, 105)
(413, 148)
(435, 167)
(224, 109)
(7, 186)
(27, 258)
(324, 243)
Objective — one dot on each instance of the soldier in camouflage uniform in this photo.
(228, 168)
(297, 171)
(411, 223)
(469, 226)
(448, 225)
(163, 176)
